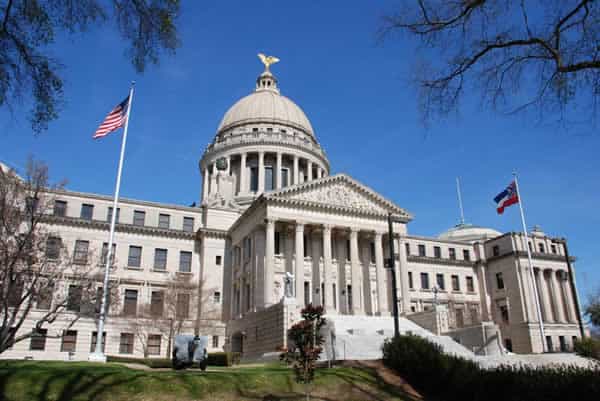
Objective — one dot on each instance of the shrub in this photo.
(214, 359)
(450, 378)
(223, 358)
(588, 347)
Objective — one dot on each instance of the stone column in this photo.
(213, 178)
(316, 267)
(228, 171)
(327, 269)
(296, 172)
(367, 290)
(243, 184)
(543, 295)
(559, 311)
(566, 287)
(205, 184)
(319, 172)
(269, 262)
(261, 172)
(299, 276)
(309, 172)
(278, 172)
(402, 276)
(340, 244)
(380, 271)
(356, 274)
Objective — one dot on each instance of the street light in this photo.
(391, 266)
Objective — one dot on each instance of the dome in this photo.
(468, 233)
(266, 105)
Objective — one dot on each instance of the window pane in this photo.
(253, 179)
(135, 256)
(154, 344)
(164, 220)
(74, 298)
(440, 281)
(183, 306)
(53, 247)
(130, 304)
(38, 340)
(269, 183)
(452, 253)
(156, 303)
(424, 281)
(80, 255)
(284, 177)
(69, 341)
(87, 211)
(188, 224)
(466, 254)
(105, 252)
(60, 208)
(95, 340)
(139, 217)
(126, 343)
(421, 250)
(160, 259)
(45, 296)
(110, 212)
(185, 262)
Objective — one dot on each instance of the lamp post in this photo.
(391, 266)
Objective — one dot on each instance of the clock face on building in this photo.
(221, 163)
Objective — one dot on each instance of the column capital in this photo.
(378, 235)
(270, 221)
(327, 227)
(299, 226)
(353, 230)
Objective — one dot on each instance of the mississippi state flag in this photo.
(506, 198)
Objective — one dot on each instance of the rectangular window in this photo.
(45, 296)
(218, 260)
(553, 248)
(53, 247)
(334, 292)
(156, 303)
(496, 250)
(154, 344)
(410, 281)
(139, 218)
(110, 213)
(38, 340)
(549, 345)
(164, 220)
(87, 211)
(437, 252)
(439, 278)
(60, 208)
(160, 259)
(182, 309)
(541, 248)
(349, 297)
(247, 248)
(348, 250)
(504, 313)
(563, 343)
(284, 177)
(80, 255)
(95, 340)
(277, 243)
(74, 298)
(508, 344)
(452, 253)
(105, 253)
(372, 245)
(455, 283)
(499, 281)
(466, 254)
(126, 343)
(470, 284)
(306, 293)
(135, 256)
(253, 179)
(215, 341)
(188, 224)
(130, 304)
(304, 245)
(269, 179)
(69, 341)
(407, 246)
(217, 297)
(185, 262)
(421, 250)
(425, 281)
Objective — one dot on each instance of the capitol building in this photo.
(276, 229)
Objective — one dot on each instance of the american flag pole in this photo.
(98, 354)
(531, 273)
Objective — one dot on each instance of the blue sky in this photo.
(356, 93)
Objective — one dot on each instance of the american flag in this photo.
(114, 120)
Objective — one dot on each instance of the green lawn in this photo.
(62, 381)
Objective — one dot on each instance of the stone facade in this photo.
(269, 207)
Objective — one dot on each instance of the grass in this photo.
(78, 381)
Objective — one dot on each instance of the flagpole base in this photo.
(97, 357)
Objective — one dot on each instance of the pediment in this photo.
(340, 192)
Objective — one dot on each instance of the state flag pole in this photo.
(98, 354)
(531, 273)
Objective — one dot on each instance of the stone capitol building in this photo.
(271, 211)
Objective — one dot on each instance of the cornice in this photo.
(120, 227)
(439, 261)
(442, 241)
(212, 233)
(534, 255)
(214, 149)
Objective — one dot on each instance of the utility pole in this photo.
(391, 266)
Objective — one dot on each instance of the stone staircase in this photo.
(361, 337)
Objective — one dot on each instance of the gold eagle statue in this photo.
(267, 60)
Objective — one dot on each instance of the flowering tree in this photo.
(306, 342)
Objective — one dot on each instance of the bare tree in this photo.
(28, 28)
(538, 55)
(39, 279)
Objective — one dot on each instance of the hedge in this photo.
(451, 378)
(588, 347)
(214, 359)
